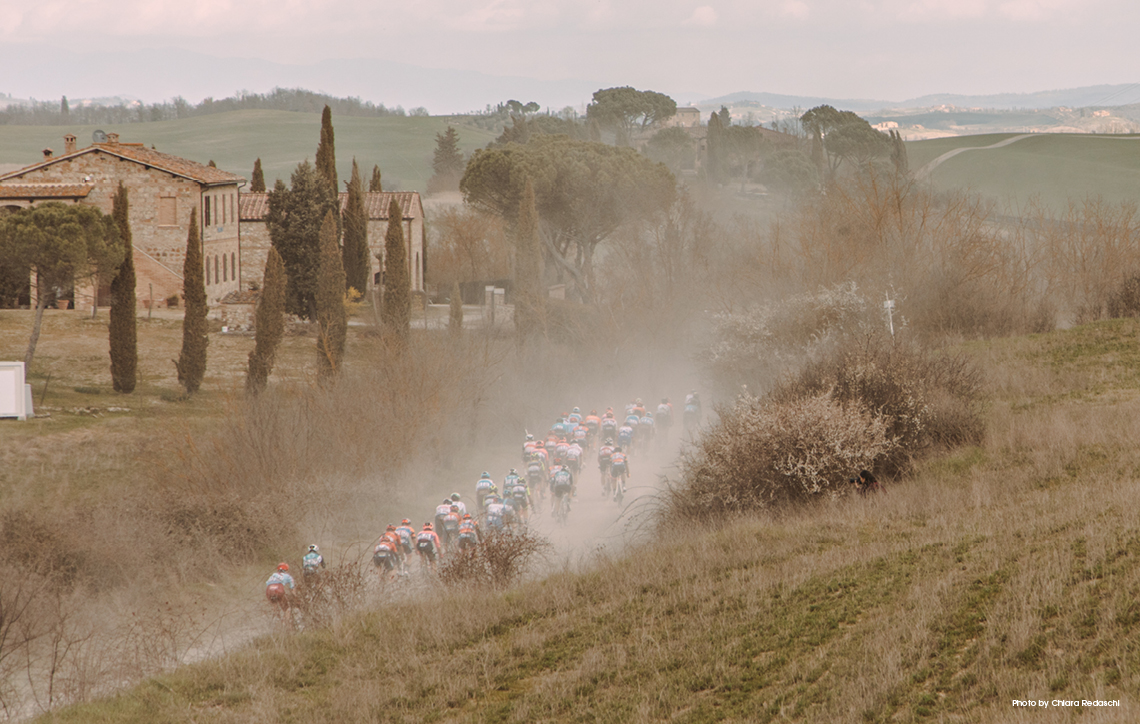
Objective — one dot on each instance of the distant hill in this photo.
(1095, 96)
(402, 146)
(1052, 168)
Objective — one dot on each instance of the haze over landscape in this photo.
(839, 303)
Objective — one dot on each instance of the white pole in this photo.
(889, 305)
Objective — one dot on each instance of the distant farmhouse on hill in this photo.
(163, 190)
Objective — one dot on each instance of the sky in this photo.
(883, 49)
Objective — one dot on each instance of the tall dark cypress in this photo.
(395, 311)
(356, 261)
(191, 361)
(257, 183)
(123, 331)
(331, 316)
(269, 324)
(326, 152)
(375, 185)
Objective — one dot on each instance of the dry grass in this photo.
(1009, 570)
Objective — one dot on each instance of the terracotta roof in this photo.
(44, 191)
(137, 152)
(255, 206)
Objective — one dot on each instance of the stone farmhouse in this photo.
(255, 235)
(163, 189)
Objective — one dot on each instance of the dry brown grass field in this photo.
(1006, 571)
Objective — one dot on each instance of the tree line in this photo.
(299, 100)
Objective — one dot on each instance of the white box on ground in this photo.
(15, 395)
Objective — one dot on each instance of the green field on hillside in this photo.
(999, 573)
(402, 146)
(1054, 168)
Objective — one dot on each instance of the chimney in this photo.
(47, 153)
(113, 138)
(69, 143)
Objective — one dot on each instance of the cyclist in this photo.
(646, 428)
(665, 414)
(469, 535)
(574, 458)
(386, 555)
(407, 535)
(561, 489)
(625, 436)
(619, 468)
(441, 512)
(278, 586)
(497, 513)
(605, 453)
(451, 527)
(312, 563)
(483, 487)
(456, 501)
(428, 546)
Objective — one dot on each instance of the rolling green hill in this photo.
(1003, 573)
(1055, 168)
(402, 146)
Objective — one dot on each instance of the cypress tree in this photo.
(375, 186)
(713, 154)
(294, 222)
(331, 315)
(211, 164)
(257, 182)
(123, 331)
(326, 152)
(269, 324)
(191, 362)
(395, 311)
(356, 261)
(529, 300)
(455, 311)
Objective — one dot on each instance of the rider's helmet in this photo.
(648, 413)
(455, 509)
(638, 400)
(427, 526)
(485, 474)
(513, 472)
(529, 437)
(609, 441)
(664, 400)
(541, 444)
(593, 412)
(576, 410)
(283, 567)
(446, 501)
(455, 496)
(390, 527)
(313, 548)
(405, 521)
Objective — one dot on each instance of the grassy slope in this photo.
(1009, 571)
(402, 146)
(1053, 167)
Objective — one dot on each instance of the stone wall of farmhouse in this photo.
(255, 243)
(160, 215)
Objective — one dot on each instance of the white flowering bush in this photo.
(764, 454)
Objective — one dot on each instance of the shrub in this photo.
(172, 301)
(928, 399)
(498, 561)
(1124, 301)
(765, 454)
(324, 597)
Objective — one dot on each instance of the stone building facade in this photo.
(255, 234)
(163, 191)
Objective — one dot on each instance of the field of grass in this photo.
(1008, 571)
(402, 146)
(1051, 167)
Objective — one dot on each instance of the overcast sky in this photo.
(885, 49)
